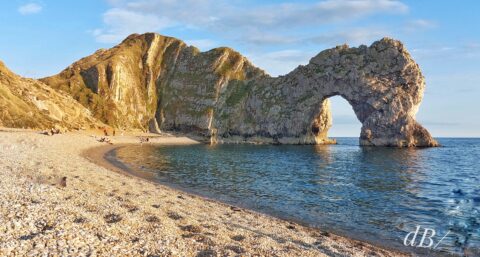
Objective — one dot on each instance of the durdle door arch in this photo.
(382, 83)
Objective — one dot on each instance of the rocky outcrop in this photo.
(159, 83)
(382, 83)
(29, 103)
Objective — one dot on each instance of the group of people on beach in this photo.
(107, 140)
(105, 132)
(52, 131)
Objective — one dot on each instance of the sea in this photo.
(392, 197)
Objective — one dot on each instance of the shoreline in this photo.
(98, 155)
(102, 212)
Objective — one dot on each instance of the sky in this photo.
(42, 37)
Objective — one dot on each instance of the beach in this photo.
(59, 196)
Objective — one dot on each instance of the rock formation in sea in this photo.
(160, 83)
(29, 103)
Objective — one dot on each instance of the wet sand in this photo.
(104, 210)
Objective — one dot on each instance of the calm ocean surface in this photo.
(373, 194)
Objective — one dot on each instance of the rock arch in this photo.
(382, 83)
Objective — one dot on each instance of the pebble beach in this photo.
(58, 197)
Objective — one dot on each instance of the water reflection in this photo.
(325, 154)
(365, 192)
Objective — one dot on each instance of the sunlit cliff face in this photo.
(159, 83)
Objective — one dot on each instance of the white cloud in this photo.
(30, 8)
(472, 46)
(121, 22)
(251, 24)
(312, 14)
(281, 62)
(441, 52)
(352, 36)
(419, 24)
(266, 32)
(267, 38)
(202, 44)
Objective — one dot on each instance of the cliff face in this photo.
(155, 82)
(149, 81)
(29, 103)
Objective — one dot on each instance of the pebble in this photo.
(31, 205)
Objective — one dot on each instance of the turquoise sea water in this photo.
(375, 194)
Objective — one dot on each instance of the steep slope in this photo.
(29, 103)
(150, 79)
(154, 82)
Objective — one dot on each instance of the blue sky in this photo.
(41, 37)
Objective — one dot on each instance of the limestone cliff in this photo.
(29, 103)
(149, 79)
(154, 82)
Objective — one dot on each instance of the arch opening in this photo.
(335, 118)
(345, 123)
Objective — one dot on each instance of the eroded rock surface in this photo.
(29, 103)
(159, 83)
(382, 83)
